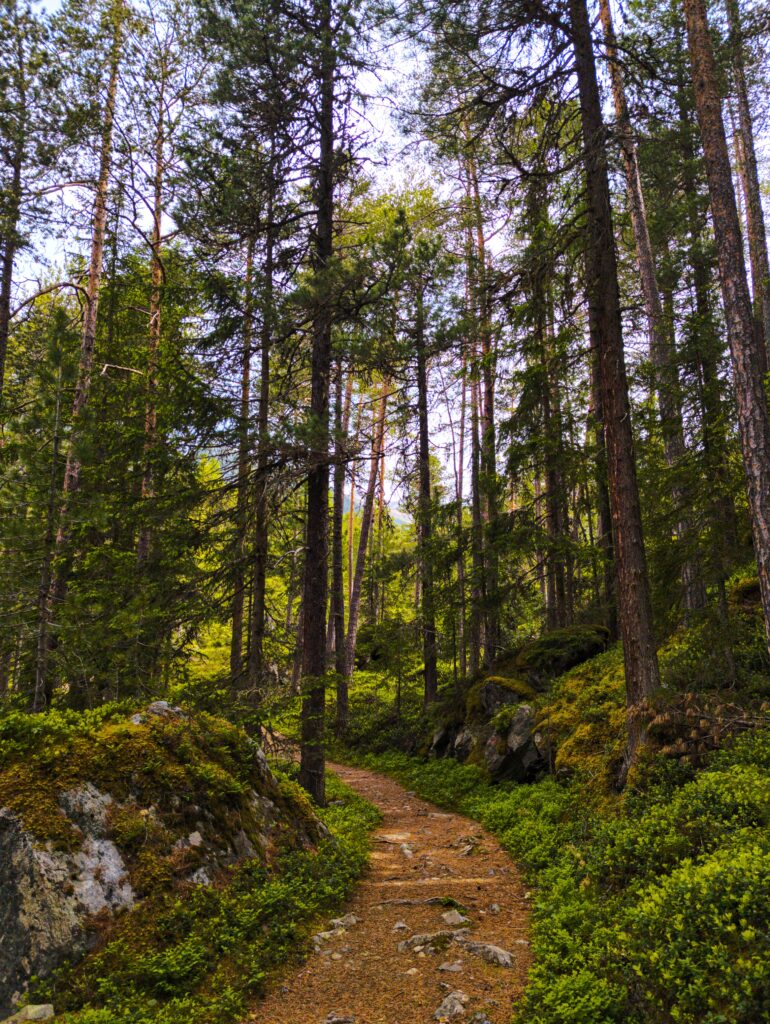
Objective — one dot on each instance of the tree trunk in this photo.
(261, 537)
(316, 584)
(425, 525)
(662, 355)
(242, 485)
(460, 531)
(6, 268)
(341, 417)
(13, 197)
(634, 606)
(41, 699)
(477, 549)
(748, 356)
(58, 587)
(755, 216)
(153, 349)
(367, 517)
(488, 489)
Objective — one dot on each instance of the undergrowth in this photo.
(651, 909)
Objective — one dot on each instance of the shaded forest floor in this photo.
(428, 869)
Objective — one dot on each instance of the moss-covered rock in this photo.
(560, 650)
(485, 698)
(97, 814)
(744, 594)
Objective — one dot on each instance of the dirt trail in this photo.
(420, 853)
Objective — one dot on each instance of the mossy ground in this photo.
(167, 775)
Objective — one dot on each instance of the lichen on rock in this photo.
(98, 818)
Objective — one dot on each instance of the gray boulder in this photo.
(47, 895)
(515, 754)
(492, 696)
(464, 743)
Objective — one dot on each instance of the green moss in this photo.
(583, 720)
(474, 706)
(561, 649)
(744, 593)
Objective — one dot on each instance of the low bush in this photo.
(651, 909)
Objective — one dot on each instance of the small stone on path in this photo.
(489, 953)
(454, 918)
(452, 1006)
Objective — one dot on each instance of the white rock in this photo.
(454, 918)
(453, 968)
(195, 838)
(490, 954)
(41, 1011)
(348, 921)
(452, 1007)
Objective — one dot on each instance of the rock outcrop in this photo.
(496, 725)
(118, 812)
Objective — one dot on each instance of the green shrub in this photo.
(653, 909)
(698, 944)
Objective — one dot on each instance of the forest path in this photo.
(421, 856)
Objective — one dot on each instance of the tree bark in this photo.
(341, 416)
(425, 524)
(747, 351)
(261, 537)
(58, 588)
(6, 269)
(634, 606)
(662, 354)
(488, 488)
(41, 698)
(153, 348)
(316, 583)
(755, 216)
(242, 483)
(367, 517)
(10, 238)
(475, 639)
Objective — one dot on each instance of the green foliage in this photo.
(649, 910)
(475, 705)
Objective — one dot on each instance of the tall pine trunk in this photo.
(425, 524)
(153, 347)
(755, 216)
(261, 537)
(633, 592)
(341, 417)
(746, 347)
(662, 354)
(316, 582)
(10, 243)
(367, 518)
(58, 587)
(479, 277)
(242, 483)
